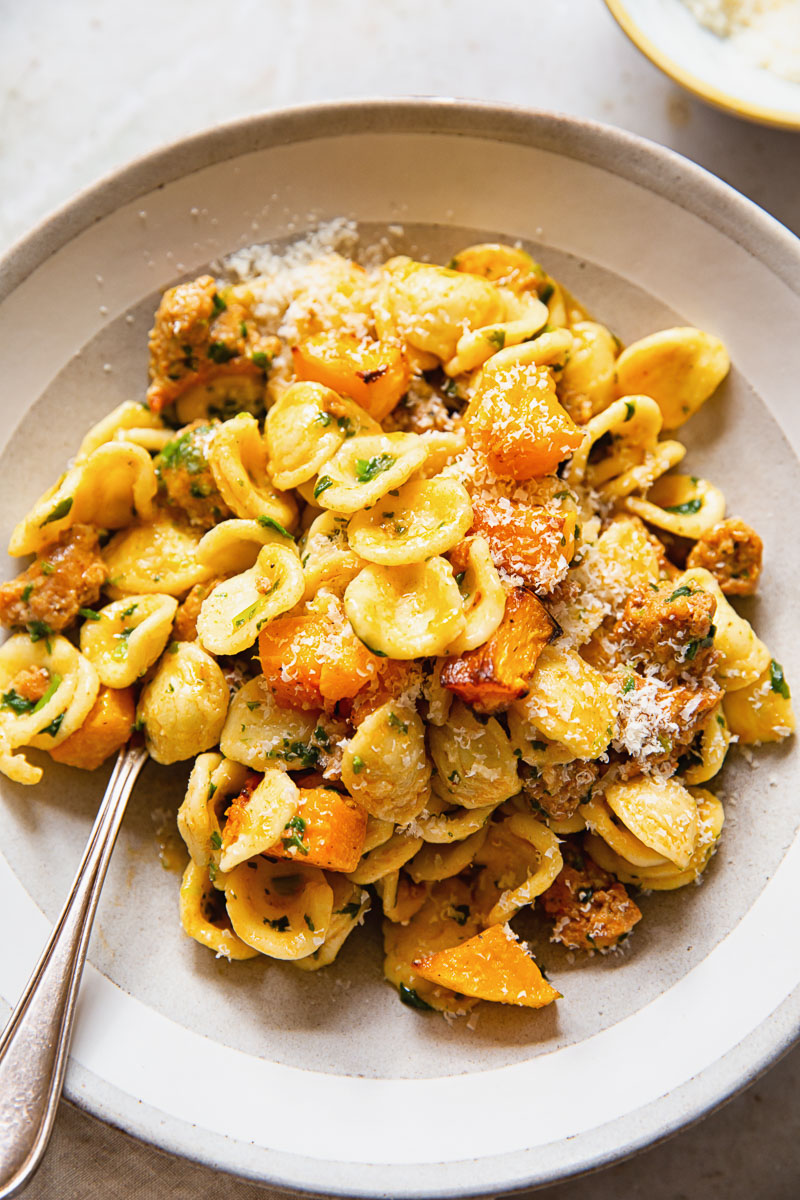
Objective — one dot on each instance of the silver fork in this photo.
(35, 1043)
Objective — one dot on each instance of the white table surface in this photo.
(87, 85)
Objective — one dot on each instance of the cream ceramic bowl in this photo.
(326, 1082)
(711, 67)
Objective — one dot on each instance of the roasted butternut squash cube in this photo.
(106, 728)
(311, 662)
(327, 831)
(530, 541)
(491, 966)
(515, 419)
(491, 677)
(374, 374)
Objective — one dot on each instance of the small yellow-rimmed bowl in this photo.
(712, 68)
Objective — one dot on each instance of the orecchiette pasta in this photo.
(417, 587)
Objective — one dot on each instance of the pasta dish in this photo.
(401, 558)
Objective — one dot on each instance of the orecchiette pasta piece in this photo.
(680, 368)
(238, 461)
(434, 861)
(384, 765)
(443, 445)
(681, 504)
(438, 697)
(520, 859)
(507, 266)
(476, 346)
(154, 558)
(400, 898)
(659, 812)
(426, 517)
(350, 905)
(430, 307)
(565, 825)
(127, 636)
(604, 822)
(378, 831)
(235, 612)
(571, 702)
(641, 476)
(127, 418)
(203, 916)
(633, 424)
(326, 556)
(762, 711)
(214, 781)
(443, 824)
(281, 909)
(366, 467)
(406, 612)
(261, 734)
(306, 427)
(483, 598)
(445, 919)
(110, 488)
(389, 856)
(588, 375)
(666, 876)
(475, 762)
(742, 656)
(184, 705)
(529, 745)
(233, 546)
(258, 817)
(47, 689)
(715, 738)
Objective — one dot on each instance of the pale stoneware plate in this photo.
(326, 1082)
(714, 68)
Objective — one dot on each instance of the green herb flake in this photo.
(308, 921)
(350, 910)
(88, 614)
(366, 469)
(219, 304)
(323, 419)
(539, 747)
(629, 685)
(546, 293)
(52, 729)
(280, 924)
(322, 485)
(55, 680)
(459, 913)
(496, 338)
(243, 329)
(211, 867)
(212, 787)
(260, 359)
(220, 353)
(60, 510)
(18, 704)
(396, 723)
(630, 409)
(287, 885)
(27, 592)
(412, 998)
(686, 509)
(129, 611)
(39, 631)
(683, 590)
(270, 523)
(216, 840)
(777, 681)
(358, 764)
(697, 644)
(296, 836)
(46, 568)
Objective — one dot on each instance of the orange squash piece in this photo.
(494, 675)
(374, 374)
(310, 662)
(490, 966)
(328, 831)
(515, 419)
(529, 541)
(106, 728)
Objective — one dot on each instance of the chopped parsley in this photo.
(630, 409)
(308, 921)
(296, 835)
(687, 508)
(18, 704)
(212, 787)
(396, 723)
(39, 631)
(216, 840)
(218, 352)
(352, 909)
(322, 485)
(323, 419)
(246, 614)
(413, 999)
(366, 469)
(496, 338)
(27, 592)
(88, 614)
(628, 685)
(281, 924)
(271, 523)
(46, 568)
(120, 651)
(683, 590)
(184, 451)
(60, 510)
(260, 359)
(699, 644)
(777, 681)
(52, 729)
(358, 764)
(459, 913)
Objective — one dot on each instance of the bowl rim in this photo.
(778, 118)
(636, 159)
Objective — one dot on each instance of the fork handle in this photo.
(35, 1043)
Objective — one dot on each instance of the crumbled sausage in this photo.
(184, 628)
(199, 336)
(559, 789)
(67, 577)
(731, 551)
(592, 911)
(669, 626)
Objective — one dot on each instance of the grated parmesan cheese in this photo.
(767, 32)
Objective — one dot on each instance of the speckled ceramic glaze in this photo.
(324, 1081)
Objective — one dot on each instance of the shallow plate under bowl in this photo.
(711, 67)
(325, 1081)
